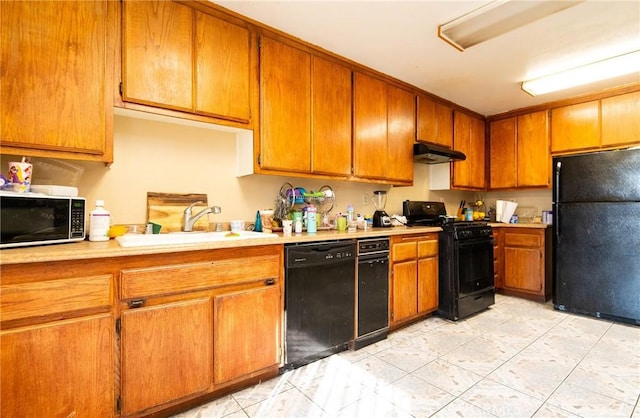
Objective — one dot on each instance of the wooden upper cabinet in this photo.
(384, 130)
(575, 127)
(331, 101)
(462, 142)
(401, 126)
(56, 91)
(434, 122)
(157, 56)
(519, 152)
(469, 138)
(223, 76)
(285, 97)
(534, 158)
(477, 154)
(621, 119)
(370, 127)
(178, 58)
(503, 154)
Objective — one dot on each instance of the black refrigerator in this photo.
(596, 239)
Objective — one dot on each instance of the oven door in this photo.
(474, 264)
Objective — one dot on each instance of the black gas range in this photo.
(466, 281)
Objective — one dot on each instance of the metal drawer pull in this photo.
(137, 303)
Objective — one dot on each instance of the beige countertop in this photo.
(87, 249)
(523, 225)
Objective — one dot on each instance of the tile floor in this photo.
(517, 359)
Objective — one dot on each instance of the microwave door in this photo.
(47, 233)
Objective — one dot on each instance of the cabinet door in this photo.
(575, 127)
(62, 368)
(524, 260)
(53, 77)
(285, 89)
(370, 127)
(167, 353)
(534, 157)
(247, 332)
(157, 54)
(620, 120)
(462, 143)
(434, 122)
(476, 154)
(497, 259)
(400, 134)
(523, 269)
(405, 296)
(444, 129)
(427, 284)
(469, 139)
(502, 154)
(331, 102)
(223, 73)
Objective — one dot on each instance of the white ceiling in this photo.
(399, 38)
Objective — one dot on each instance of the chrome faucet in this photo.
(189, 220)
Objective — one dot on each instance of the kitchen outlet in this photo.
(365, 199)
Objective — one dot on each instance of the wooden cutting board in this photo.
(167, 209)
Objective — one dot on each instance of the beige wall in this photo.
(538, 199)
(158, 156)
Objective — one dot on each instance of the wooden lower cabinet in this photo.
(498, 277)
(526, 262)
(138, 335)
(414, 277)
(245, 342)
(182, 349)
(404, 290)
(194, 327)
(60, 368)
(57, 341)
(167, 349)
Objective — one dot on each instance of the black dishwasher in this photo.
(373, 291)
(319, 300)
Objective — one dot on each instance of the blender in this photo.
(380, 217)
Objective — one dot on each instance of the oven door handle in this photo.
(475, 241)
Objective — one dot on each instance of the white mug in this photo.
(237, 226)
(287, 226)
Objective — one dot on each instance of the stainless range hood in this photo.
(435, 154)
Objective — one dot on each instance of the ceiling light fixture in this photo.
(601, 70)
(496, 18)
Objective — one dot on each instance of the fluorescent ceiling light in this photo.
(496, 18)
(601, 70)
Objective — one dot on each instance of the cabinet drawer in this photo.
(404, 251)
(26, 300)
(428, 248)
(523, 240)
(178, 278)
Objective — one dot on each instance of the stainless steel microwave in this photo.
(36, 219)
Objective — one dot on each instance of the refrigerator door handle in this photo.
(556, 188)
(556, 222)
(556, 199)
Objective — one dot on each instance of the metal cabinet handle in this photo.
(137, 303)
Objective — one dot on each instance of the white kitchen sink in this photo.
(149, 240)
